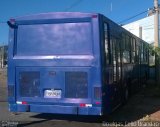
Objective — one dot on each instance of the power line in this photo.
(142, 29)
(132, 17)
(73, 5)
(67, 9)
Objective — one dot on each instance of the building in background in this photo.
(147, 25)
(144, 28)
(147, 28)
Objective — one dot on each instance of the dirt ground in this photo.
(3, 77)
(143, 106)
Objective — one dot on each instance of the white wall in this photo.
(147, 25)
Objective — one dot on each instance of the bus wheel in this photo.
(126, 94)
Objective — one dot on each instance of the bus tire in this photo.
(125, 95)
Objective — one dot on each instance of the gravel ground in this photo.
(3, 77)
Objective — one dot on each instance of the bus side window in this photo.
(108, 52)
(145, 53)
(142, 52)
(133, 50)
(126, 49)
(137, 52)
(114, 55)
(106, 43)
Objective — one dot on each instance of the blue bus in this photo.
(72, 63)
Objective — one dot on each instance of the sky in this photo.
(116, 10)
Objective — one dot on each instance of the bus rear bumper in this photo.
(56, 109)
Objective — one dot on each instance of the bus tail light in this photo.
(97, 92)
(24, 102)
(94, 16)
(82, 105)
(21, 102)
(85, 105)
(98, 103)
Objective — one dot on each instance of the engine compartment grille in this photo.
(29, 83)
(76, 85)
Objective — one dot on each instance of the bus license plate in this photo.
(52, 94)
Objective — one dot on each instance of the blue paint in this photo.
(55, 51)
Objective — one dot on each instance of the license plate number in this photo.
(52, 94)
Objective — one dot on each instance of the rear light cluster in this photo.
(98, 103)
(85, 105)
(94, 16)
(89, 105)
(97, 93)
(22, 102)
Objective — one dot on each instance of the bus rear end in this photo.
(54, 64)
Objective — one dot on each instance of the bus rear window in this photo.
(54, 39)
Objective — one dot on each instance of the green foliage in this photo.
(154, 50)
(151, 50)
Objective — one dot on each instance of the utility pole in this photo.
(156, 24)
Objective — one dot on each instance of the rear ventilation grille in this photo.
(29, 83)
(76, 85)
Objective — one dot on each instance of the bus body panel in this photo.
(69, 54)
(54, 64)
